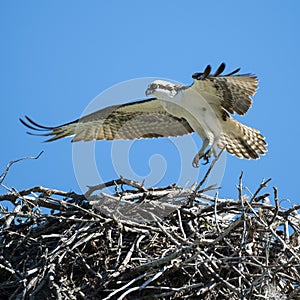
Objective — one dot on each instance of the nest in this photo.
(61, 245)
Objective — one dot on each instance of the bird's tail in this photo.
(241, 140)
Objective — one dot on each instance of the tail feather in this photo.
(55, 133)
(241, 140)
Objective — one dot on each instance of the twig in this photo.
(4, 174)
(209, 169)
(120, 181)
(276, 206)
(261, 186)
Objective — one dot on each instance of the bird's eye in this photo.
(154, 86)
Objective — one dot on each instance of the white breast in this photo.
(190, 105)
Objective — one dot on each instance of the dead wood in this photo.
(62, 245)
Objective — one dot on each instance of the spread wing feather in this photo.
(232, 92)
(141, 119)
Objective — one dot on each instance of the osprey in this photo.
(204, 107)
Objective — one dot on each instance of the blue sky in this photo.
(57, 56)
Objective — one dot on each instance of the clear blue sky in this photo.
(56, 56)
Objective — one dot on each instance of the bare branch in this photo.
(4, 174)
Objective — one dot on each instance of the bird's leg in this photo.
(202, 153)
(211, 150)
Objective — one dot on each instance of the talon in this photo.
(202, 154)
(206, 157)
(206, 161)
(199, 156)
(195, 165)
(195, 162)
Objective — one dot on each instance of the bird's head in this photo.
(162, 89)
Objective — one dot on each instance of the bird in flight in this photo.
(204, 107)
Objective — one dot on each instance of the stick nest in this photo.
(139, 243)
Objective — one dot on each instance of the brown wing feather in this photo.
(232, 92)
(143, 119)
(235, 92)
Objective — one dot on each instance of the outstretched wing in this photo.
(142, 119)
(233, 92)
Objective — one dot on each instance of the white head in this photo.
(163, 89)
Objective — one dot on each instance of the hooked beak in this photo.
(148, 91)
